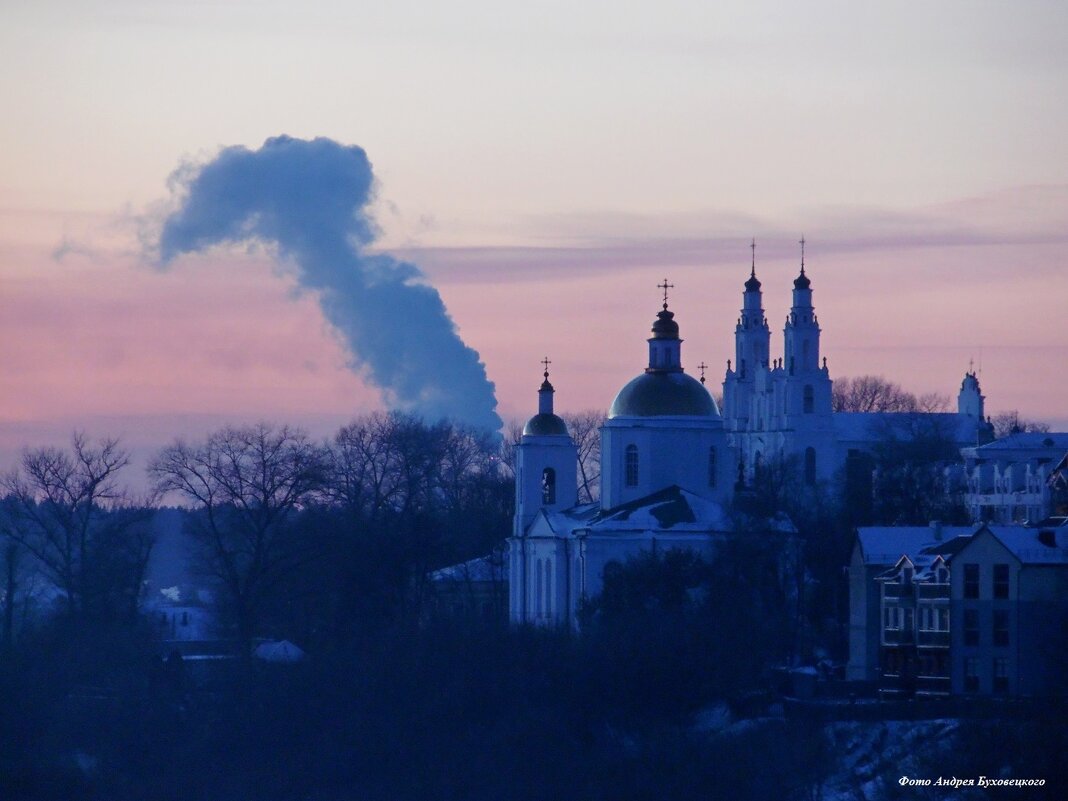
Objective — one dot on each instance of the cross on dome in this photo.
(665, 286)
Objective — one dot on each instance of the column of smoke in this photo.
(310, 199)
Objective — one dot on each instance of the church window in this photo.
(810, 466)
(809, 399)
(712, 467)
(548, 486)
(631, 466)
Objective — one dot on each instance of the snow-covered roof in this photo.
(1027, 440)
(280, 651)
(673, 509)
(1031, 546)
(874, 427)
(484, 568)
(885, 545)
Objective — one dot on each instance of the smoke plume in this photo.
(310, 199)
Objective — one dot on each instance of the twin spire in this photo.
(753, 284)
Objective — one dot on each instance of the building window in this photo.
(943, 620)
(971, 626)
(809, 399)
(631, 466)
(548, 486)
(1001, 628)
(1001, 581)
(971, 675)
(810, 466)
(711, 467)
(971, 581)
(1001, 674)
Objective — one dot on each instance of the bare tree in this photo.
(248, 483)
(1006, 423)
(585, 429)
(68, 510)
(869, 393)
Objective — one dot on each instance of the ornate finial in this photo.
(728, 364)
(545, 363)
(803, 254)
(665, 286)
(752, 247)
(971, 365)
(702, 366)
(824, 362)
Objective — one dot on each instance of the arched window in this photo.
(631, 465)
(810, 399)
(810, 466)
(548, 486)
(712, 467)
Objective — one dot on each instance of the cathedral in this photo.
(671, 461)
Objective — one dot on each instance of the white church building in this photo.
(670, 461)
(667, 477)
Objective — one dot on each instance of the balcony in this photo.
(932, 639)
(897, 590)
(933, 592)
(897, 637)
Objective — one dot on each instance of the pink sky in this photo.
(547, 165)
(98, 339)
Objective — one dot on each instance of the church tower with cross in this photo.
(663, 428)
(546, 461)
(672, 463)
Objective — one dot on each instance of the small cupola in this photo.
(664, 345)
(545, 422)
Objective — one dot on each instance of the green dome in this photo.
(664, 394)
(545, 425)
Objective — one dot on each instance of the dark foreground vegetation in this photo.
(667, 693)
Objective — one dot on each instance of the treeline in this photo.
(302, 538)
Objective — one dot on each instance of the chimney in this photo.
(936, 529)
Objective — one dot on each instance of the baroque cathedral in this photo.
(671, 460)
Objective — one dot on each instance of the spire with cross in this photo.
(752, 247)
(802, 243)
(665, 286)
(545, 385)
(702, 367)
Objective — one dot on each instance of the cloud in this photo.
(310, 199)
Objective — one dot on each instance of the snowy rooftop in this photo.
(484, 568)
(1026, 545)
(884, 545)
(672, 508)
(1027, 440)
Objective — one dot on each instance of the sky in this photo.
(545, 164)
